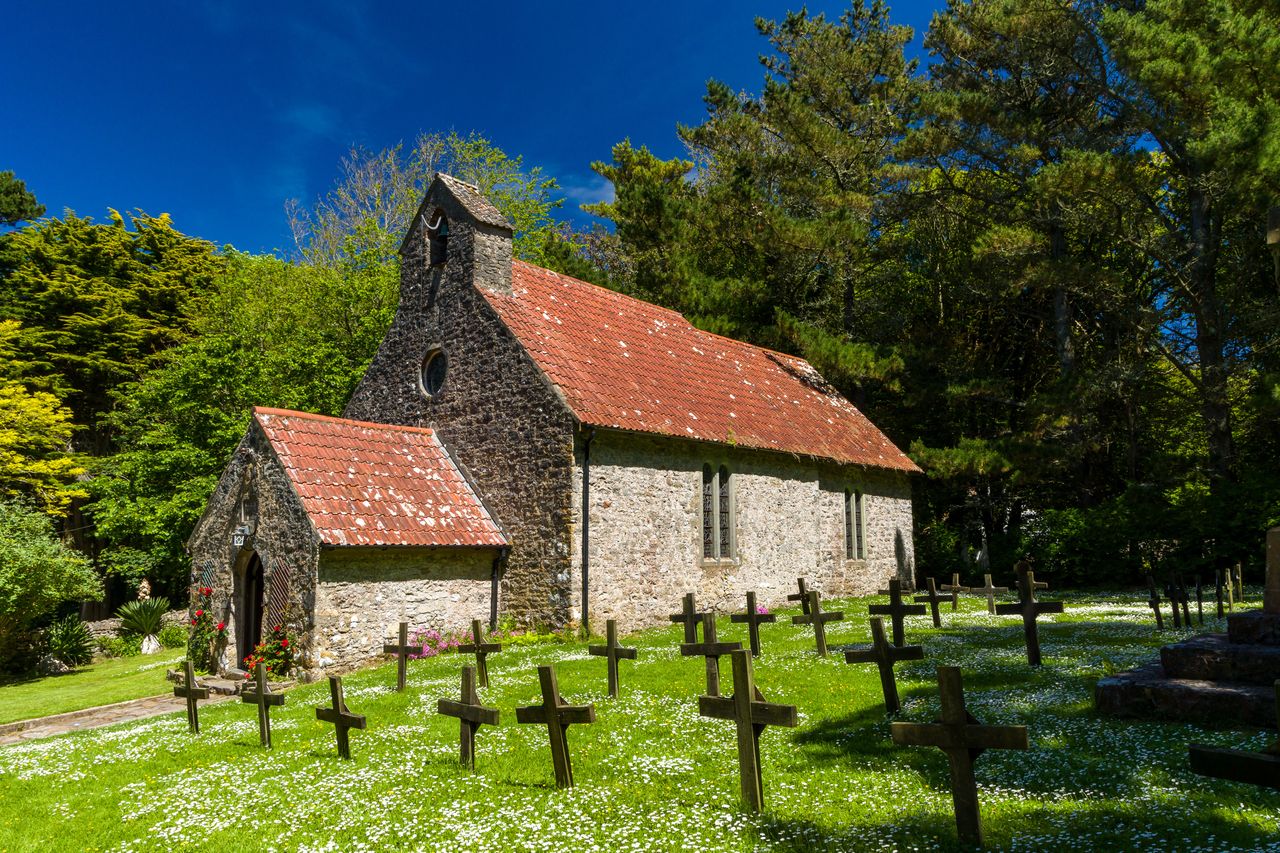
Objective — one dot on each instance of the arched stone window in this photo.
(437, 238)
(718, 540)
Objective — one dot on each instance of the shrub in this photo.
(69, 641)
(143, 618)
(206, 638)
(37, 573)
(172, 637)
(120, 647)
(276, 652)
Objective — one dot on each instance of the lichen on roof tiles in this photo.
(377, 485)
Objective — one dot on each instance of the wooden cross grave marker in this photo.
(818, 619)
(471, 716)
(1028, 608)
(341, 717)
(1023, 568)
(896, 610)
(710, 649)
(192, 692)
(884, 655)
(557, 717)
(1171, 593)
(1253, 768)
(1238, 580)
(802, 596)
(690, 616)
(402, 650)
(1153, 601)
(1182, 599)
(1218, 591)
(612, 652)
(931, 598)
(749, 710)
(963, 739)
(989, 590)
(262, 696)
(481, 649)
(753, 617)
(1199, 601)
(955, 589)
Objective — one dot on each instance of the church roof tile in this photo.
(626, 364)
(373, 484)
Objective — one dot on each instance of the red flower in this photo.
(222, 626)
(247, 676)
(193, 621)
(199, 612)
(284, 644)
(204, 590)
(277, 628)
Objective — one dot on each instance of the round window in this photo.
(433, 372)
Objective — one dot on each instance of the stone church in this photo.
(527, 444)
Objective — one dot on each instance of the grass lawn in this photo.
(651, 774)
(112, 680)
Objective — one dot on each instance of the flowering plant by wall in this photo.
(276, 652)
(206, 638)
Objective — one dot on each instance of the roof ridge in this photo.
(293, 413)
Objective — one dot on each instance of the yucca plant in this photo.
(144, 619)
(69, 641)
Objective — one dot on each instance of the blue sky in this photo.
(218, 113)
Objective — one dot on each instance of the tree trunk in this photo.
(1061, 301)
(1215, 402)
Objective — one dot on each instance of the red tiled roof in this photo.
(372, 484)
(627, 364)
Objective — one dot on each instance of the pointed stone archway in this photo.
(250, 604)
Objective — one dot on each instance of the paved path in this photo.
(92, 718)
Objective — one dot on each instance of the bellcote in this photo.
(459, 230)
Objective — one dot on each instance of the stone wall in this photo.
(500, 418)
(646, 528)
(364, 593)
(283, 537)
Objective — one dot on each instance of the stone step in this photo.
(1254, 626)
(1148, 692)
(1213, 658)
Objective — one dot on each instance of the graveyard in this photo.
(649, 772)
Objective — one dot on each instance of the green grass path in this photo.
(104, 683)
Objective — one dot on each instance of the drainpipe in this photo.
(586, 531)
(493, 588)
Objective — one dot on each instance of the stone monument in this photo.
(1211, 678)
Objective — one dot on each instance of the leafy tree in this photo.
(17, 203)
(38, 574)
(369, 209)
(98, 301)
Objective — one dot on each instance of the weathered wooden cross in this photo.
(710, 649)
(1028, 608)
(192, 692)
(1023, 567)
(612, 652)
(1182, 599)
(1254, 768)
(1171, 593)
(1153, 601)
(884, 655)
(896, 610)
(481, 649)
(749, 710)
(402, 650)
(341, 717)
(931, 598)
(1219, 591)
(1237, 575)
(557, 717)
(802, 596)
(262, 696)
(471, 716)
(955, 589)
(690, 616)
(989, 590)
(753, 617)
(963, 739)
(1199, 601)
(818, 619)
